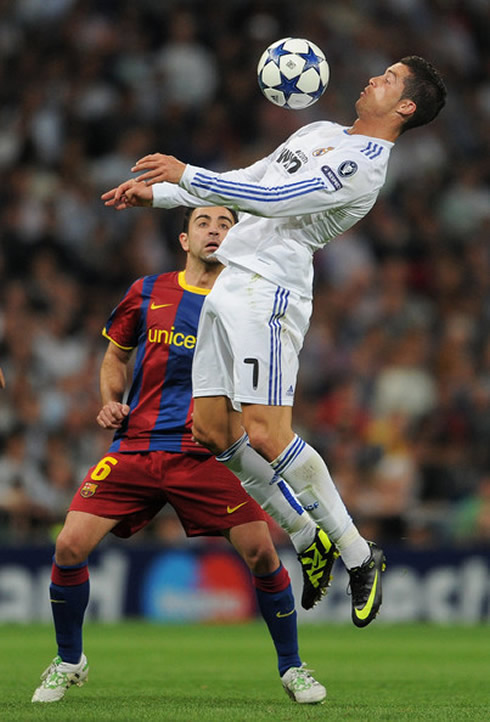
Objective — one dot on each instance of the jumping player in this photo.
(153, 461)
(315, 186)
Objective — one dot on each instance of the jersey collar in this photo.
(192, 289)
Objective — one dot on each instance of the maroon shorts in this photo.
(132, 488)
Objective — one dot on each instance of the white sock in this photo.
(305, 471)
(270, 491)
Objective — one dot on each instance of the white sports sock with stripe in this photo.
(305, 471)
(270, 491)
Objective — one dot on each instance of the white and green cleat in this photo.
(302, 687)
(58, 677)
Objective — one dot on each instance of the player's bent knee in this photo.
(70, 550)
(203, 439)
(261, 441)
(261, 559)
(268, 441)
(208, 439)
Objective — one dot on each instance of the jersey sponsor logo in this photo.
(171, 337)
(88, 489)
(292, 160)
(372, 150)
(321, 151)
(331, 177)
(232, 509)
(154, 305)
(347, 168)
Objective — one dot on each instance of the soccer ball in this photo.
(293, 73)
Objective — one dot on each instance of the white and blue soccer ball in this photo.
(293, 73)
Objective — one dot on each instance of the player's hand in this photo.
(2, 380)
(129, 194)
(157, 168)
(112, 415)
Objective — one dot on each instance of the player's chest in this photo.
(171, 326)
(295, 159)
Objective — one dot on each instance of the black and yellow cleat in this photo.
(317, 562)
(365, 585)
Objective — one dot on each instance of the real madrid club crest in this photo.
(88, 489)
(321, 151)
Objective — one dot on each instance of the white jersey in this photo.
(315, 186)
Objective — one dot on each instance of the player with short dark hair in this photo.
(315, 186)
(153, 460)
(425, 86)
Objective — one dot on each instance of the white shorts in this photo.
(248, 341)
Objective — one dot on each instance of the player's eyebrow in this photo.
(390, 70)
(207, 217)
(226, 218)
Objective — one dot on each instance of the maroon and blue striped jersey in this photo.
(158, 316)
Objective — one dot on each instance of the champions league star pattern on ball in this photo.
(293, 73)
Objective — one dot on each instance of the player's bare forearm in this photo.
(113, 381)
(157, 168)
(2, 380)
(129, 194)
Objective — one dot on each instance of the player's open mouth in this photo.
(212, 247)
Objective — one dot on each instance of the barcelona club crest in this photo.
(88, 489)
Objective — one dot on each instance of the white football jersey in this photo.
(316, 185)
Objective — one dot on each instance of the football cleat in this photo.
(317, 562)
(58, 677)
(365, 585)
(302, 687)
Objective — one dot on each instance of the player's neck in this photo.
(375, 129)
(202, 276)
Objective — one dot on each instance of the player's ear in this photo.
(184, 241)
(406, 107)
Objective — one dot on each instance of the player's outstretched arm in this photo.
(129, 194)
(157, 168)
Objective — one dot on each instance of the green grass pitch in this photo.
(225, 673)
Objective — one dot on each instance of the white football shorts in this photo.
(248, 341)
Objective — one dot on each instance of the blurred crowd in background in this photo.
(395, 373)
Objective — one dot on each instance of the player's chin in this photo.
(209, 257)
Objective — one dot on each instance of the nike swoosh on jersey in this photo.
(285, 614)
(154, 306)
(231, 509)
(58, 601)
(366, 610)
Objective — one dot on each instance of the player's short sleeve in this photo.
(123, 325)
